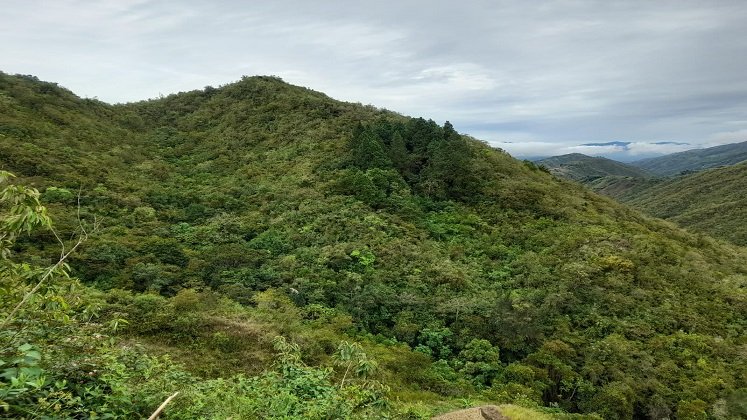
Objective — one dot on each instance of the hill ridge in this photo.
(466, 273)
(580, 167)
(695, 159)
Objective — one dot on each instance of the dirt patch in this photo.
(491, 412)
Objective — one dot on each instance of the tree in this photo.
(613, 401)
(480, 360)
(449, 172)
(351, 357)
(368, 151)
(398, 153)
(449, 132)
(435, 342)
(22, 282)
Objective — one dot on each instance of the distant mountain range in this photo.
(580, 167)
(695, 160)
(704, 189)
(625, 144)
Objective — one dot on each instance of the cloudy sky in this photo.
(532, 77)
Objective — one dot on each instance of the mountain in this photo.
(579, 167)
(710, 202)
(713, 201)
(270, 252)
(622, 144)
(694, 160)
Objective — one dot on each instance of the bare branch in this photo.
(38, 285)
(83, 236)
(157, 413)
(62, 244)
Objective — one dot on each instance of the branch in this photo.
(38, 285)
(158, 411)
(347, 370)
(48, 273)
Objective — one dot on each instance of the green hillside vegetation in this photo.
(269, 252)
(622, 188)
(713, 201)
(583, 168)
(710, 202)
(695, 160)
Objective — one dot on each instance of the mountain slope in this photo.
(579, 167)
(710, 203)
(695, 160)
(713, 201)
(507, 283)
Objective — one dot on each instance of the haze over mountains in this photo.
(231, 216)
(695, 160)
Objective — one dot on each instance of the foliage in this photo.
(106, 381)
(440, 244)
(712, 202)
(709, 202)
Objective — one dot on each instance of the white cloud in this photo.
(630, 151)
(647, 149)
(736, 136)
(542, 73)
(531, 148)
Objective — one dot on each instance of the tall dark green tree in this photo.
(398, 153)
(368, 152)
(449, 172)
(449, 132)
(419, 136)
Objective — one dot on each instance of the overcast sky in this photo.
(532, 77)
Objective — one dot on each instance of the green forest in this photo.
(712, 201)
(269, 252)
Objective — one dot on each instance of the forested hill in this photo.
(713, 201)
(583, 168)
(695, 160)
(466, 273)
(710, 201)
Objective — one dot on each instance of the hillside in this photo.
(713, 201)
(621, 188)
(710, 202)
(230, 216)
(579, 167)
(694, 160)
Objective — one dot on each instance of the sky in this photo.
(535, 78)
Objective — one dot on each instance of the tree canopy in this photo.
(230, 216)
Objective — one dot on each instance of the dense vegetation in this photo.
(411, 265)
(583, 168)
(695, 160)
(713, 201)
